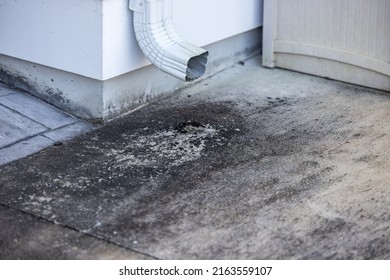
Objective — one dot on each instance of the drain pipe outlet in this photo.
(160, 43)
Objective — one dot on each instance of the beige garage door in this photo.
(347, 40)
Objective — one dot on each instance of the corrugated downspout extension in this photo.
(161, 45)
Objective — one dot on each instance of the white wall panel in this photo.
(63, 34)
(207, 21)
(95, 38)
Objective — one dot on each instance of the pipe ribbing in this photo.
(160, 43)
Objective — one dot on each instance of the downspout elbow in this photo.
(160, 43)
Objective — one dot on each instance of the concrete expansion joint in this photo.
(29, 125)
(22, 140)
(27, 117)
(40, 218)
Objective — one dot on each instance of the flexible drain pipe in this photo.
(160, 43)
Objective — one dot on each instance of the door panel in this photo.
(346, 40)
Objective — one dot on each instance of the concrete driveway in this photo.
(250, 164)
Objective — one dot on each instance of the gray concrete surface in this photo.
(26, 237)
(251, 164)
(28, 125)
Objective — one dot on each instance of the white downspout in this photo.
(160, 43)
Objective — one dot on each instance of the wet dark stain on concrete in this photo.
(87, 169)
(197, 180)
(183, 127)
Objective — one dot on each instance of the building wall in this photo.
(64, 34)
(95, 38)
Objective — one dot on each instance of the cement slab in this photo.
(37, 110)
(70, 131)
(250, 164)
(4, 90)
(24, 148)
(24, 236)
(15, 127)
